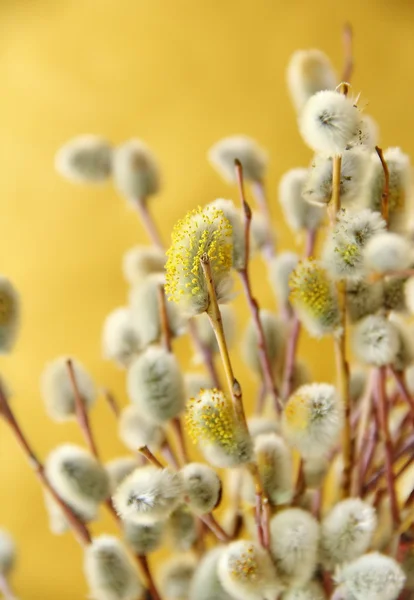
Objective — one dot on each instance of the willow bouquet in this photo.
(317, 484)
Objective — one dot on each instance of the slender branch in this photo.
(81, 412)
(145, 451)
(168, 455)
(205, 353)
(214, 315)
(164, 324)
(347, 37)
(215, 527)
(79, 528)
(143, 563)
(408, 447)
(336, 185)
(403, 389)
(112, 403)
(148, 222)
(179, 434)
(386, 189)
(262, 508)
(382, 408)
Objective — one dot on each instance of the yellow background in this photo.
(179, 74)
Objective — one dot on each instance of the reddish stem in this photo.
(112, 403)
(403, 389)
(143, 563)
(205, 353)
(145, 451)
(179, 433)
(148, 223)
(215, 527)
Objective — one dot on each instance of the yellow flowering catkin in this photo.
(313, 296)
(201, 232)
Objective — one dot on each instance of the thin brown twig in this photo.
(164, 323)
(79, 528)
(403, 389)
(143, 563)
(386, 189)
(148, 223)
(112, 402)
(205, 353)
(347, 37)
(145, 451)
(81, 412)
(176, 425)
(215, 527)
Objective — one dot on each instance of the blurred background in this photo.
(179, 74)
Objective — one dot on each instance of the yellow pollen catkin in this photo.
(210, 417)
(311, 288)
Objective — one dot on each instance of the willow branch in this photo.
(112, 403)
(164, 324)
(148, 223)
(386, 189)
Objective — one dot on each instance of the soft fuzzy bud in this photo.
(357, 383)
(57, 389)
(263, 239)
(140, 261)
(274, 460)
(195, 382)
(155, 384)
(373, 576)
(58, 522)
(246, 571)
(312, 591)
(120, 337)
(202, 487)
(148, 495)
(9, 315)
(145, 308)
(136, 430)
(212, 423)
(206, 333)
(109, 571)
(314, 298)
(399, 169)
(280, 269)
(387, 252)
(7, 553)
(346, 532)
(275, 336)
(329, 122)
(369, 133)
(253, 159)
(363, 298)
(206, 584)
(394, 294)
(202, 233)
(143, 539)
(85, 159)
(182, 528)
(315, 470)
(135, 171)
(294, 545)
(176, 577)
(317, 186)
(78, 478)
(344, 248)
(118, 469)
(376, 341)
(309, 72)
(234, 217)
(299, 214)
(262, 425)
(313, 419)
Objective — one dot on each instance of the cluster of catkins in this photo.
(318, 484)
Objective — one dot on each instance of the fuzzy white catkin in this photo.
(7, 552)
(275, 463)
(57, 389)
(387, 252)
(308, 72)
(261, 426)
(315, 470)
(148, 495)
(202, 487)
(85, 159)
(329, 122)
(77, 477)
(143, 539)
(145, 308)
(299, 214)
(136, 430)
(253, 159)
(363, 298)
(280, 268)
(140, 261)
(195, 382)
(346, 532)
(312, 419)
(294, 535)
(373, 576)
(135, 171)
(263, 239)
(312, 591)
(206, 333)
(405, 354)
(176, 577)
(118, 469)
(120, 337)
(394, 294)
(375, 341)
(275, 337)
(317, 186)
(206, 584)
(9, 315)
(238, 237)
(246, 571)
(182, 528)
(357, 383)
(109, 571)
(155, 384)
